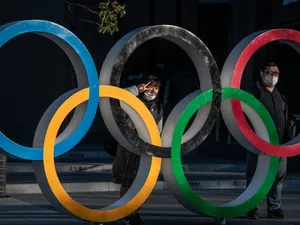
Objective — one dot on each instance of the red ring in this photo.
(252, 47)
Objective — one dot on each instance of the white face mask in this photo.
(148, 96)
(270, 81)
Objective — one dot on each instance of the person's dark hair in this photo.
(154, 79)
(269, 64)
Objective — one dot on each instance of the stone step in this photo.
(89, 182)
(106, 165)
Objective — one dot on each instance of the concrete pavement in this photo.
(160, 208)
(217, 182)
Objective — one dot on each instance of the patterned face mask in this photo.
(148, 96)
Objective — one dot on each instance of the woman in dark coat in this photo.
(126, 163)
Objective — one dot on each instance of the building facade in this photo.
(36, 72)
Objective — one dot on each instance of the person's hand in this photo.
(143, 87)
(291, 124)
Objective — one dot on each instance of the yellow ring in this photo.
(49, 165)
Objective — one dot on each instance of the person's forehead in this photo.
(272, 68)
(154, 83)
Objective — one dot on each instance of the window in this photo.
(286, 2)
(214, 1)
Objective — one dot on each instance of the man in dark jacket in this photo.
(276, 105)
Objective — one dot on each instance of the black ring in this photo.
(171, 33)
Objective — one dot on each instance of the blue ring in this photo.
(14, 29)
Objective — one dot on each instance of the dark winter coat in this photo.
(126, 163)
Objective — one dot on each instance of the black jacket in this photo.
(277, 106)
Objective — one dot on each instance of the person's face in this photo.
(270, 71)
(153, 88)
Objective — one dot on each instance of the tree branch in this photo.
(82, 6)
(88, 21)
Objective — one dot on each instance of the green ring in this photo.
(185, 188)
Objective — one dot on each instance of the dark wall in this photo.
(33, 69)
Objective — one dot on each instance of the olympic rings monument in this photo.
(219, 93)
